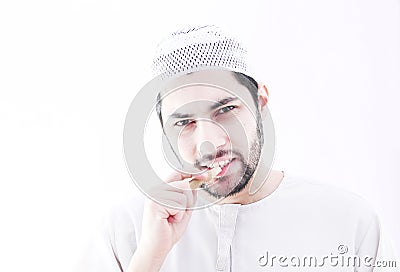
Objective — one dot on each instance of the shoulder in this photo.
(123, 226)
(123, 220)
(127, 211)
(113, 242)
(314, 195)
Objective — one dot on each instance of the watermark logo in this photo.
(339, 259)
(342, 249)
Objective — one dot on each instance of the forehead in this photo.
(194, 92)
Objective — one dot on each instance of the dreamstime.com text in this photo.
(341, 259)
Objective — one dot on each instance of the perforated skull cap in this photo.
(196, 48)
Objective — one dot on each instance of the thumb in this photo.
(175, 176)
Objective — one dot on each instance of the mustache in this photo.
(208, 158)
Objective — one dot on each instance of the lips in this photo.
(225, 168)
(220, 163)
(223, 164)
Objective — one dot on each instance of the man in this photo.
(262, 219)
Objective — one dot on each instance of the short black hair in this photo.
(247, 81)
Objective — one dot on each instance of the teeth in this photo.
(220, 164)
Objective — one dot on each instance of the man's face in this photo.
(208, 126)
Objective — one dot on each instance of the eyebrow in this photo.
(222, 102)
(180, 115)
(216, 105)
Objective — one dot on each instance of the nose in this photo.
(209, 137)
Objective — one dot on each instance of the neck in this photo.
(261, 185)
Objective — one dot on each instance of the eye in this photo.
(226, 109)
(182, 123)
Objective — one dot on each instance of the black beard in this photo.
(249, 168)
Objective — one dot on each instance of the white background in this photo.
(69, 70)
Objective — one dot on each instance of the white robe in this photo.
(301, 226)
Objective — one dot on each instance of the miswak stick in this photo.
(211, 174)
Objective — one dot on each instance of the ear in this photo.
(263, 96)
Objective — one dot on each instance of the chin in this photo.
(227, 186)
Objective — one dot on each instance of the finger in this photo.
(171, 199)
(184, 187)
(166, 213)
(166, 191)
(194, 194)
(175, 186)
(189, 198)
(178, 186)
(178, 217)
(175, 176)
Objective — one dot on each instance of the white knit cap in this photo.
(196, 48)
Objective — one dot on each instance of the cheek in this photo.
(241, 130)
(251, 132)
(181, 144)
(185, 149)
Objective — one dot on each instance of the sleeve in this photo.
(386, 258)
(374, 249)
(111, 246)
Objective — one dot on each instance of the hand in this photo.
(164, 224)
